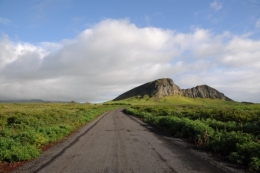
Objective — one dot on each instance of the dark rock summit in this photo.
(158, 88)
(203, 91)
(166, 87)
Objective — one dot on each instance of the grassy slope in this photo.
(180, 100)
(228, 128)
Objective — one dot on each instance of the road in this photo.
(116, 142)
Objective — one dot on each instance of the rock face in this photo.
(204, 91)
(166, 87)
(158, 88)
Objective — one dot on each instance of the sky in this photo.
(93, 51)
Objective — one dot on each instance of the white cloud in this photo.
(115, 55)
(11, 53)
(4, 21)
(216, 5)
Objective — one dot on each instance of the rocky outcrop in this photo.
(166, 87)
(157, 88)
(203, 91)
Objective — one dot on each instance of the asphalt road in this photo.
(116, 142)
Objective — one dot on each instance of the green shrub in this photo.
(12, 150)
(231, 132)
(247, 154)
(27, 127)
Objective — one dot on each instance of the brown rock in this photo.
(166, 87)
(204, 91)
(157, 88)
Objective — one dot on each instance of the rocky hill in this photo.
(203, 91)
(166, 87)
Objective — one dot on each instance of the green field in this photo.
(174, 100)
(227, 128)
(26, 127)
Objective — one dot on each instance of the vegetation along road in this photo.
(116, 142)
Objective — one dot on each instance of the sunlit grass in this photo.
(24, 128)
(178, 100)
(230, 129)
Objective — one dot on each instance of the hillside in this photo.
(166, 87)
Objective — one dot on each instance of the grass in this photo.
(178, 100)
(228, 128)
(26, 127)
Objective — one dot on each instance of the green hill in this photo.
(175, 100)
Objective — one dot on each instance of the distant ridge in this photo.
(22, 101)
(166, 87)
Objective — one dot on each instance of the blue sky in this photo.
(59, 49)
(53, 20)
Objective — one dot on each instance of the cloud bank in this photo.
(114, 56)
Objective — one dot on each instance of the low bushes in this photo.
(24, 128)
(231, 134)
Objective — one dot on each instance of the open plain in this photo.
(117, 142)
